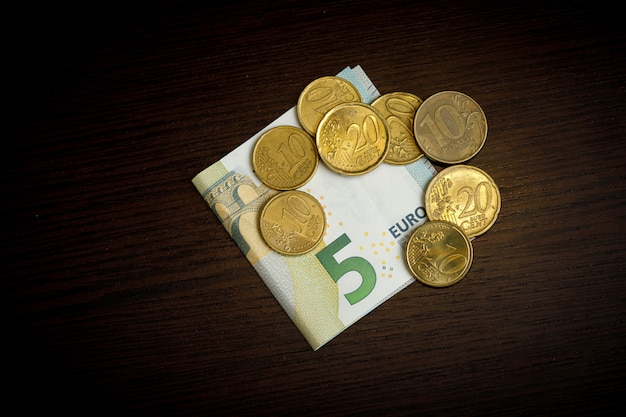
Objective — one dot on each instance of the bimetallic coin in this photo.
(285, 157)
(463, 195)
(292, 222)
(439, 254)
(320, 96)
(399, 110)
(450, 127)
(352, 138)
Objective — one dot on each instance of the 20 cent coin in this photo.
(321, 95)
(464, 195)
(352, 138)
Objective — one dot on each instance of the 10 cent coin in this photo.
(285, 157)
(292, 222)
(439, 254)
(399, 109)
(450, 127)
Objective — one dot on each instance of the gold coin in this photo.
(352, 138)
(285, 157)
(399, 109)
(450, 127)
(463, 195)
(439, 254)
(292, 222)
(320, 96)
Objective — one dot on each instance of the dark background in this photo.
(124, 295)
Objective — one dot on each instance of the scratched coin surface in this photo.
(352, 138)
(450, 127)
(439, 254)
(398, 109)
(292, 222)
(285, 157)
(321, 95)
(464, 195)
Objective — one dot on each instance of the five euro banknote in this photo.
(360, 261)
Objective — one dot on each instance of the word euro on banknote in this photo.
(360, 261)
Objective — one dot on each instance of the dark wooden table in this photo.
(123, 294)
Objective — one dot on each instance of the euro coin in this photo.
(464, 195)
(292, 222)
(352, 138)
(450, 127)
(399, 110)
(439, 254)
(321, 95)
(285, 157)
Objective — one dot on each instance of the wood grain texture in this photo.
(123, 294)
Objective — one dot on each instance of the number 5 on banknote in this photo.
(337, 270)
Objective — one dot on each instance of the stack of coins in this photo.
(353, 138)
(286, 157)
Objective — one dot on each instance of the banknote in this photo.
(360, 261)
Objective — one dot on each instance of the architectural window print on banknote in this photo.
(358, 264)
